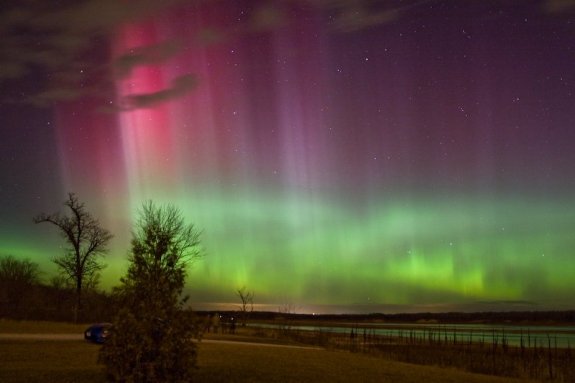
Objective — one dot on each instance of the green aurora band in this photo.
(409, 254)
(419, 164)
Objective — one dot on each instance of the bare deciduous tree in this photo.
(247, 298)
(87, 240)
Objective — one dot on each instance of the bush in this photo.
(152, 336)
(150, 349)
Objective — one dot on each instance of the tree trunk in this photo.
(78, 304)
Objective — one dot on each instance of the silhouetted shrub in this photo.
(152, 336)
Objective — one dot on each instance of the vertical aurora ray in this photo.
(146, 133)
(91, 165)
(377, 167)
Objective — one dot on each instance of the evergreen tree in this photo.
(152, 336)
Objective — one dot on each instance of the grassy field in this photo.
(239, 363)
(539, 361)
(49, 361)
(75, 361)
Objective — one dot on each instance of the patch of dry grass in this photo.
(241, 363)
(39, 327)
(75, 361)
(49, 361)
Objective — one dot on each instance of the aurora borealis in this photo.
(411, 157)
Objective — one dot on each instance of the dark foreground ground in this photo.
(55, 352)
(75, 361)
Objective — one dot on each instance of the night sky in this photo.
(352, 156)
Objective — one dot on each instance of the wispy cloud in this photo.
(57, 43)
(180, 86)
(151, 54)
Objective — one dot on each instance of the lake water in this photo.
(560, 336)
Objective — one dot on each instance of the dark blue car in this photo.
(97, 333)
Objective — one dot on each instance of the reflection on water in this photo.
(512, 335)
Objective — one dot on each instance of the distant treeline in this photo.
(25, 296)
(540, 317)
(54, 303)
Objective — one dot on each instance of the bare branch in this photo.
(87, 240)
(247, 298)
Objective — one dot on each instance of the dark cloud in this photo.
(557, 6)
(208, 36)
(151, 54)
(60, 48)
(356, 18)
(48, 96)
(266, 17)
(180, 86)
(501, 305)
(53, 43)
